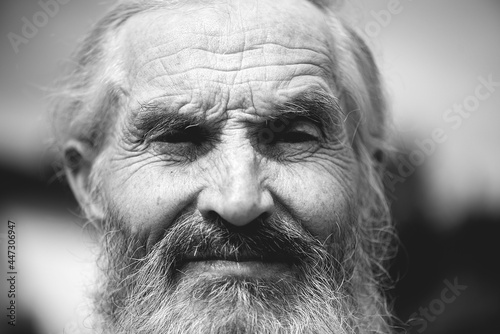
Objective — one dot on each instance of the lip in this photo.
(241, 257)
(250, 268)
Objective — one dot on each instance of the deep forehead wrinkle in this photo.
(252, 56)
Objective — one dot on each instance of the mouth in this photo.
(237, 265)
(244, 269)
(241, 257)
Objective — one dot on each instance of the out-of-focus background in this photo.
(441, 62)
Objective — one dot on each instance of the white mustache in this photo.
(268, 240)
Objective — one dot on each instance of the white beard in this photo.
(140, 293)
(234, 306)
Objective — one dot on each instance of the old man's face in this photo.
(228, 184)
(196, 136)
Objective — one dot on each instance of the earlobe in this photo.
(78, 163)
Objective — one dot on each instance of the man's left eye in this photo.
(296, 137)
(288, 141)
(297, 133)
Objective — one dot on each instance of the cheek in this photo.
(323, 201)
(147, 195)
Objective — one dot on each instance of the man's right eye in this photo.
(194, 135)
(189, 143)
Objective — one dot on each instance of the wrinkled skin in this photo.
(195, 201)
(228, 65)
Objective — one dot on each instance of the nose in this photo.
(239, 196)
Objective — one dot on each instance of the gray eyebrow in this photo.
(153, 118)
(317, 106)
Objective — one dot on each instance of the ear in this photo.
(78, 162)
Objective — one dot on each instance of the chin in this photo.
(235, 304)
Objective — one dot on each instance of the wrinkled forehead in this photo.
(240, 41)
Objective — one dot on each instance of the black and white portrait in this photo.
(250, 166)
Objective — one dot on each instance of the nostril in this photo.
(236, 212)
(210, 215)
(213, 218)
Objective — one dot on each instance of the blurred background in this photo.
(441, 64)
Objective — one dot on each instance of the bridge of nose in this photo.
(238, 194)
